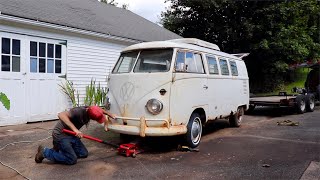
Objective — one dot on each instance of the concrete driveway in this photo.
(259, 149)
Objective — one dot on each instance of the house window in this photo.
(234, 69)
(224, 66)
(10, 55)
(189, 62)
(213, 65)
(45, 57)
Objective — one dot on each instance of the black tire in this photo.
(194, 131)
(301, 104)
(126, 138)
(317, 95)
(310, 102)
(250, 109)
(235, 120)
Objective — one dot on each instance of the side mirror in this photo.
(167, 64)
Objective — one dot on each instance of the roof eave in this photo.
(64, 28)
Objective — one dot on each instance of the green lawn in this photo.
(300, 76)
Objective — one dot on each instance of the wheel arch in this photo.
(244, 106)
(202, 114)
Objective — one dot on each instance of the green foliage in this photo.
(297, 78)
(95, 94)
(100, 95)
(90, 91)
(5, 101)
(69, 90)
(275, 33)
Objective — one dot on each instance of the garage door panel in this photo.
(16, 114)
(47, 61)
(29, 75)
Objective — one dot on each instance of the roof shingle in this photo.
(88, 15)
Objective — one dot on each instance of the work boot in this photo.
(39, 156)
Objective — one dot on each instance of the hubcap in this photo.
(239, 116)
(311, 103)
(196, 130)
(302, 105)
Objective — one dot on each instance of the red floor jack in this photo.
(127, 150)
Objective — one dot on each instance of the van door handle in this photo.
(205, 86)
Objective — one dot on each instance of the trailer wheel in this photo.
(194, 131)
(310, 102)
(235, 120)
(300, 104)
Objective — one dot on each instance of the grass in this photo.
(300, 76)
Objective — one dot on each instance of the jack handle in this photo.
(85, 136)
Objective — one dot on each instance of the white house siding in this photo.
(86, 58)
(90, 60)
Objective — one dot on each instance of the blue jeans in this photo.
(69, 150)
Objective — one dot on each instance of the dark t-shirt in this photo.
(78, 116)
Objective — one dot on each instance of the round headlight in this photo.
(154, 106)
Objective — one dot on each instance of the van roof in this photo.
(184, 43)
(197, 42)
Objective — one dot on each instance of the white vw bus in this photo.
(174, 87)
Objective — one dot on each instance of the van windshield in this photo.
(125, 62)
(149, 60)
(158, 60)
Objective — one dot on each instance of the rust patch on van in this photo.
(124, 114)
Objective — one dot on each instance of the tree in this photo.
(276, 33)
(125, 6)
(114, 3)
(111, 2)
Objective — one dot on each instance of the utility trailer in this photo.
(301, 102)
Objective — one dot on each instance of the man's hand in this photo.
(65, 117)
(78, 134)
(109, 114)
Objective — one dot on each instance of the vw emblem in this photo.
(126, 91)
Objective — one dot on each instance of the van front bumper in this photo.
(143, 129)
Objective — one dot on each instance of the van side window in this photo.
(194, 63)
(224, 67)
(234, 69)
(213, 65)
(199, 64)
(180, 62)
(189, 62)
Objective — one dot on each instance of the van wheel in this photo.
(300, 104)
(126, 138)
(235, 120)
(250, 109)
(194, 131)
(310, 102)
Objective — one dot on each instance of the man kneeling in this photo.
(68, 148)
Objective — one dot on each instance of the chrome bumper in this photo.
(143, 130)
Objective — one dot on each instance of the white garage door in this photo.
(31, 69)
